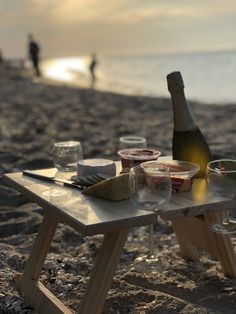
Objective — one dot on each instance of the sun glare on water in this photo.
(65, 69)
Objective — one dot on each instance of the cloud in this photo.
(117, 24)
(106, 11)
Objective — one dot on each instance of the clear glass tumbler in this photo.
(65, 155)
(132, 142)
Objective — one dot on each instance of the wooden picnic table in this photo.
(190, 213)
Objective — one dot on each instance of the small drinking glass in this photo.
(132, 142)
(65, 155)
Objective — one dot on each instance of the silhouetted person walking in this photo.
(92, 67)
(34, 50)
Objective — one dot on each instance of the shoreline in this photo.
(28, 73)
(213, 93)
(34, 114)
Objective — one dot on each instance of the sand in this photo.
(34, 114)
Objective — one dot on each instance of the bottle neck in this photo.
(183, 119)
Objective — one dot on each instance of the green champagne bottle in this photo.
(188, 142)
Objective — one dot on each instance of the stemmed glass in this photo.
(150, 189)
(221, 180)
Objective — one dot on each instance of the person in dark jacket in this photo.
(34, 51)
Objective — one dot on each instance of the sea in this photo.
(209, 77)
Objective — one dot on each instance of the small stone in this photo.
(17, 308)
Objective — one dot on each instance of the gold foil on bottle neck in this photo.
(175, 82)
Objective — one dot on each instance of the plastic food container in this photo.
(181, 172)
(134, 156)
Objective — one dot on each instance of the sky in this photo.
(79, 27)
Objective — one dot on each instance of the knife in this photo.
(65, 182)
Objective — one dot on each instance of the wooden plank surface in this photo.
(91, 215)
(198, 201)
(87, 214)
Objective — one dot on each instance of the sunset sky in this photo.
(77, 27)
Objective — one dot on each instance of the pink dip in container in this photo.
(131, 157)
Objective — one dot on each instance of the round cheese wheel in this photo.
(93, 166)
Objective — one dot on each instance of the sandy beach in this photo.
(33, 115)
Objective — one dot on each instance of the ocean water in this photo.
(209, 77)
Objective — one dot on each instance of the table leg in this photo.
(103, 271)
(183, 231)
(37, 294)
(222, 245)
(194, 233)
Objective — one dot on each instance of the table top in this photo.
(92, 215)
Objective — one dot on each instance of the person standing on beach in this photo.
(34, 50)
(92, 67)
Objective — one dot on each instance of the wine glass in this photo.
(150, 189)
(221, 180)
